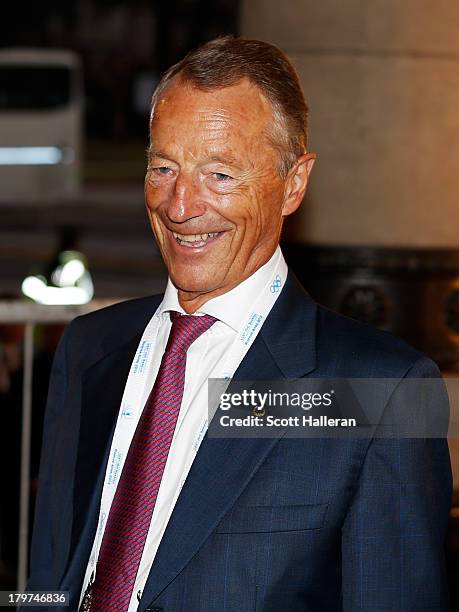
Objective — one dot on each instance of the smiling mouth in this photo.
(194, 240)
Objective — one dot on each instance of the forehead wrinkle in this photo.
(211, 129)
(259, 102)
(213, 126)
(219, 114)
(214, 115)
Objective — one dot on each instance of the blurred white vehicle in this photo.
(41, 113)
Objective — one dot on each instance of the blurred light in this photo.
(68, 274)
(33, 285)
(37, 290)
(72, 283)
(17, 156)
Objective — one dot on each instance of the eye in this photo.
(221, 177)
(160, 175)
(162, 170)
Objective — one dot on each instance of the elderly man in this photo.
(139, 508)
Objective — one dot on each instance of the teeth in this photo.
(191, 238)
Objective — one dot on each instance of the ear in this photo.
(296, 183)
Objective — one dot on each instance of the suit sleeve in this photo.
(41, 559)
(393, 536)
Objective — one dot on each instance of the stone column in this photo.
(382, 81)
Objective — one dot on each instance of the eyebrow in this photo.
(152, 152)
(221, 159)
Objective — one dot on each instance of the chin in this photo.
(190, 285)
(196, 278)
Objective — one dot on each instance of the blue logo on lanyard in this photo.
(276, 284)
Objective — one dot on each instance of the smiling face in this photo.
(214, 195)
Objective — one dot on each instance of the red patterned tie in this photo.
(132, 507)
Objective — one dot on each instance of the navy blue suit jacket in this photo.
(261, 524)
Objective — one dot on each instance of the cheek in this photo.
(254, 212)
(157, 195)
(151, 197)
(270, 200)
(240, 206)
(153, 200)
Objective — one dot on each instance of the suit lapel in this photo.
(223, 467)
(102, 388)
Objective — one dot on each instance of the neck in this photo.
(191, 301)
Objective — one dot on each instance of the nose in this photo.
(186, 200)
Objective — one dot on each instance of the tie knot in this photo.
(186, 329)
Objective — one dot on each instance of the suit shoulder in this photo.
(135, 312)
(361, 347)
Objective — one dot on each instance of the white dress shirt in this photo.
(204, 360)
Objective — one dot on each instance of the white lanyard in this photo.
(131, 402)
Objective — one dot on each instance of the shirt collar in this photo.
(232, 307)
